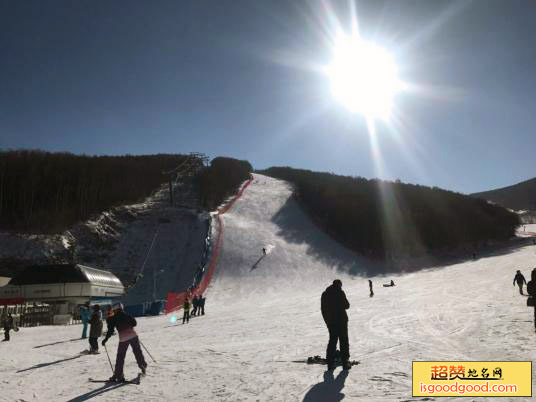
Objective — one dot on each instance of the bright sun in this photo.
(363, 77)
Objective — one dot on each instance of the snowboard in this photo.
(136, 381)
(321, 360)
(88, 352)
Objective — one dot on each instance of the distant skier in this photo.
(334, 304)
(520, 279)
(531, 290)
(84, 316)
(370, 287)
(127, 336)
(195, 303)
(95, 329)
(109, 315)
(8, 326)
(186, 308)
(202, 305)
(388, 285)
(264, 251)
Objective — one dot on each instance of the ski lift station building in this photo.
(65, 285)
(4, 280)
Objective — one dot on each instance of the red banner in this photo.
(11, 301)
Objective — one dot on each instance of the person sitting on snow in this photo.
(127, 336)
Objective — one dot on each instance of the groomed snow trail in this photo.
(264, 313)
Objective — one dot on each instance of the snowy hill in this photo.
(520, 196)
(133, 241)
(263, 313)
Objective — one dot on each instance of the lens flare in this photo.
(363, 77)
(173, 319)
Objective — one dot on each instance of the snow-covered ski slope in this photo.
(261, 318)
(298, 254)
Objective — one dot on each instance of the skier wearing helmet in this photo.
(127, 336)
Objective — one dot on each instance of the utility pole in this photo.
(155, 274)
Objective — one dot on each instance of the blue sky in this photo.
(233, 78)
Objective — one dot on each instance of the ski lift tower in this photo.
(194, 162)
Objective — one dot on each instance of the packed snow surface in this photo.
(263, 314)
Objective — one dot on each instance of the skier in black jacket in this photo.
(202, 305)
(334, 305)
(95, 329)
(520, 279)
(127, 336)
(8, 326)
(109, 315)
(531, 290)
(195, 303)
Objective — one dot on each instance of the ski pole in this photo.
(112, 367)
(149, 353)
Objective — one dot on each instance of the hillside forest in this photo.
(44, 192)
(385, 219)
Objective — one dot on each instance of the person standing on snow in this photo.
(84, 316)
(531, 290)
(109, 315)
(334, 304)
(520, 279)
(195, 303)
(370, 287)
(201, 305)
(127, 336)
(8, 326)
(95, 329)
(186, 308)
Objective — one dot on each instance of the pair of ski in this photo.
(135, 381)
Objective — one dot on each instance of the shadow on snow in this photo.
(99, 391)
(297, 227)
(328, 390)
(40, 365)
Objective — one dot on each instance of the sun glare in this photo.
(363, 77)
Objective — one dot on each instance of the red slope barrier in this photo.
(176, 300)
